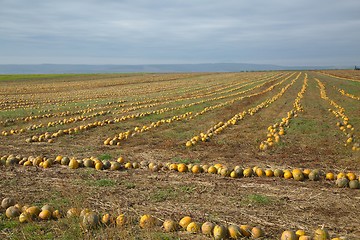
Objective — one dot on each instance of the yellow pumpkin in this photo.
(220, 232)
(196, 169)
(289, 235)
(181, 167)
(185, 221)
(245, 230)
(193, 227)
(120, 220)
(248, 172)
(257, 232)
(207, 228)
(321, 234)
(330, 176)
(234, 231)
(45, 215)
(147, 221)
(212, 170)
(170, 225)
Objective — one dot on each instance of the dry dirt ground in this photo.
(274, 204)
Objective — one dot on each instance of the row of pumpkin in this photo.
(221, 126)
(343, 124)
(91, 220)
(277, 130)
(341, 179)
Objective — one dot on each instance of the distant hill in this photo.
(159, 68)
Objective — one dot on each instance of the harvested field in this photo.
(62, 134)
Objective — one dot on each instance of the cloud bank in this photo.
(323, 32)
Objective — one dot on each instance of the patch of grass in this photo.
(307, 126)
(105, 156)
(57, 200)
(8, 224)
(128, 185)
(36, 231)
(103, 183)
(162, 236)
(162, 195)
(71, 229)
(185, 160)
(258, 199)
(187, 189)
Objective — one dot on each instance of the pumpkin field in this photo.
(243, 155)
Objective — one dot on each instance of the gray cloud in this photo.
(323, 32)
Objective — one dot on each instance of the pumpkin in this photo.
(298, 175)
(84, 211)
(289, 235)
(306, 172)
(234, 174)
(90, 220)
(115, 166)
(128, 165)
(304, 237)
(181, 167)
(220, 232)
(136, 165)
(185, 221)
(248, 172)
(300, 232)
(342, 182)
(193, 227)
(351, 176)
(287, 174)
(321, 234)
(11, 161)
(207, 228)
(170, 225)
(73, 212)
(7, 202)
(56, 214)
(278, 173)
(89, 163)
(45, 215)
(260, 172)
(120, 220)
(225, 172)
(73, 164)
(314, 176)
(341, 175)
(257, 232)
(245, 230)
(239, 171)
(147, 221)
(65, 161)
(234, 231)
(33, 211)
(120, 160)
(173, 167)
(151, 165)
(212, 170)
(354, 184)
(218, 165)
(269, 173)
(99, 165)
(12, 212)
(47, 164)
(25, 217)
(205, 168)
(196, 169)
(107, 219)
(330, 176)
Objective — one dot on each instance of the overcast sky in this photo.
(283, 32)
